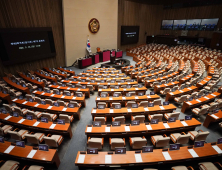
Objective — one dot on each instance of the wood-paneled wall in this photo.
(34, 13)
(149, 18)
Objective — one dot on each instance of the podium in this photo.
(104, 56)
(84, 62)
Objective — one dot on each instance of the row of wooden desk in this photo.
(52, 79)
(30, 80)
(99, 79)
(210, 118)
(123, 90)
(140, 78)
(55, 73)
(5, 97)
(158, 88)
(187, 78)
(203, 82)
(104, 159)
(68, 71)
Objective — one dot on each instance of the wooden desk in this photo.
(212, 118)
(210, 71)
(98, 68)
(127, 67)
(140, 78)
(107, 112)
(46, 77)
(181, 66)
(103, 71)
(169, 65)
(16, 86)
(196, 103)
(133, 69)
(41, 127)
(158, 88)
(142, 130)
(148, 82)
(186, 78)
(89, 78)
(203, 82)
(220, 89)
(42, 157)
(122, 90)
(55, 73)
(134, 74)
(48, 108)
(85, 91)
(61, 97)
(28, 79)
(101, 74)
(5, 97)
(125, 99)
(128, 159)
(68, 71)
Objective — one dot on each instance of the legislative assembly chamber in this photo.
(110, 85)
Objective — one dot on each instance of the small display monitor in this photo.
(54, 83)
(112, 81)
(165, 103)
(4, 111)
(122, 81)
(61, 121)
(31, 100)
(199, 144)
(117, 76)
(68, 94)
(152, 93)
(116, 95)
(56, 104)
(96, 123)
(150, 104)
(46, 74)
(147, 149)
(128, 86)
(219, 141)
(52, 76)
(216, 110)
(135, 122)
(39, 80)
(29, 117)
(99, 76)
(105, 87)
(4, 92)
(79, 94)
(83, 76)
(134, 105)
(175, 146)
(2, 139)
(120, 150)
(15, 114)
(44, 119)
(63, 85)
(172, 119)
(190, 98)
(140, 93)
(128, 94)
(20, 143)
(173, 90)
(18, 83)
(117, 106)
(71, 105)
(33, 78)
(92, 81)
(43, 102)
(189, 117)
(73, 86)
(116, 87)
(20, 97)
(83, 80)
(43, 147)
(101, 106)
(116, 123)
(58, 92)
(131, 80)
(39, 89)
(102, 81)
(103, 95)
(154, 121)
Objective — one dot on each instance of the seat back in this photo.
(50, 141)
(48, 116)
(102, 119)
(120, 118)
(49, 101)
(201, 136)
(104, 93)
(7, 107)
(183, 98)
(14, 135)
(139, 143)
(141, 118)
(158, 116)
(32, 138)
(133, 93)
(203, 111)
(162, 142)
(38, 100)
(65, 117)
(157, 102)
(18, 110)
(29, 112)
(174, 114)
(144, 103)
(183, 139)
(129, 103)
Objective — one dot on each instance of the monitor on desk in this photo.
(101, 106)
(29, 117)
(135, 122)
(102, 81)
(31, 100)
(172, 119)
(188, 117)
(198, 144)
(2, 139)
(216, 110)
(44, 119)
(150, 104)
(134, 105)
(71, 105)
(190, 98)
(68, 94)
(39, 89)
(140, 93)
(92, 81)
(152, 93)
(15, 114)
(116, 123)
(43, 147)
(219, 141)
(154, 121)
(3, 111)
(128, 94)
(147, 149)
(56, 104)
(120, 150)
(83, 80)
(116, 95)
(20, 97)
(43, 102)
(166, 103)
(79, 94)
(20, 143)
(61, 121)
(112, 81)
(92, 150)
(96, 123)
(128, 86)
(175, 146)
(118, 106)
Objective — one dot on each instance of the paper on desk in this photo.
(89, 129)
(110, 98)
(52, 126)
(198, 101)
(217, 148)
(171, 93)
(107, 129)
(9, 149)
(52, 95)
(206, 97)
(129, 110)
(136, 97)
(98, 98)
(189, 103)
(136, 88)
(25, 102)
(81, 158)
(181, 91)
(138, 158)
(94, 111)
(111, 111)
(43, 93)
(74, 98)
(146, 109)
(213, 94)
(36, 105)
(193, 153)
(64, 109)
(62, 96)
(36, 123)
(124, 98)
(149, 127)
(166, 155)
(215, 116)
(58, 87)
(189, 88)
(78, 89)
(14, 100)
(49, 107)
(124, 89)
(162, 108)
(35, 91)
(184, 123)
(108, 159)
(68, 88)
(112, 89)
(22, 120)
(166, 125)
(31, 154)
(8, 117)
(127, 128)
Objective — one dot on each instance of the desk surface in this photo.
(41, 84)
(5, 97)
(54, 72)
(46, 77)
(68, 71)
(147, 158)
(204, 81)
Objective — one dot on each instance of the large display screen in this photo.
(26, 44)
(129, 34)
(167, 25)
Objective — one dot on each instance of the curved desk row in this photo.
(203, 82)
(53, 79)
(5, 97)
(187, 78)
(140, 78)
(28, 79)
(55, 73)
(142, 129)
(132, 69)
(210, 118)
(114, 78)
(158, 88)
(101, 74)
(37, 126)
(68, 71)
(103, 71)
(123, 90)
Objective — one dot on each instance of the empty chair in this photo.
(174, 114)
(38, 100)
(75, 103)
(104, 94)
(15, 94)
(175, 88)
(160, 141)
(32, 87)
(157, 102)
(53, 140)
(8, 108)
(34, 167)
(10, 165)
(200, 111)
(165, 91)
(181, 168)
(49, 101)
(58, 78)
(132, 93)
(35, 138)
(117, 93)
(101, 105)
(20, 111)
(119, 118)
(47, 90)
(198, 135)
(35, 115)
(130, 103)
(4, 129)
(208, 166)
(18, 135)
(50, 117)
(193, 95)
(154, 84)
(143, 103)
(68, 119)
(90, 87)
(116, 142)
(181, 99)
(156, 116)
(101, 119)
(79, 93)
(29, 97)
(137, 142)
(182, 138)
(141, 118)
(95, 143)
(61, 103)
(46, 82)
(56, 91)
